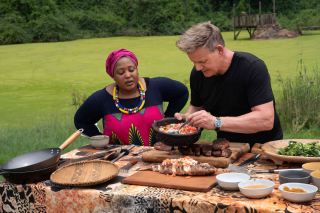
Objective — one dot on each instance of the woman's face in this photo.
(126, 74)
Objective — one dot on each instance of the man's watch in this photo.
(217, 124)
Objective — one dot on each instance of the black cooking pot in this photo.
(172, 139)
(38, 160)
(32, 176)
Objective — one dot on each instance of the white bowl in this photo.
(256, 188)
(315, 175)
(99, 141)
(308, 195)
(311, 166)
(230, 181)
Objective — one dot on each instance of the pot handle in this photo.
(71, 139)
(2, 172)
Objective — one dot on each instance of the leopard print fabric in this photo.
(22, 198)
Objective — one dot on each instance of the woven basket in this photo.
(85, 173)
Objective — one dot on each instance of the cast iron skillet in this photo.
(172, 139)
(29, 176)
(38, 160)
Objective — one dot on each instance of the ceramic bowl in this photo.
(256, 188)
(99, 141)
(172, 139)
(230, 181)
(291, 176)
(310, 167)
(315, 176)
(308, 194)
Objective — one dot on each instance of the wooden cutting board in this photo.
(238, 149)
(156, 179)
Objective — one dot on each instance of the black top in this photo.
(244, 85)
(100, 105)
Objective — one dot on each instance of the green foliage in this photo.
(51, 28)
(60, 20)
(95, 23)
(300, 101)
(11, 33)
(300, 149)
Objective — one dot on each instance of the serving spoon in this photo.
(177, 131)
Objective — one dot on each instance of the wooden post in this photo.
(274, 7)
(233, 22)
(259, 13)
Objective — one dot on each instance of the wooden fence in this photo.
(251, 22)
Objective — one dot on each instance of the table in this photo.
(116, 197)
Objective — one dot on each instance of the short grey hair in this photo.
(203, 34)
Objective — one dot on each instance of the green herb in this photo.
(301, 149)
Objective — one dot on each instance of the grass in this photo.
(37, 80)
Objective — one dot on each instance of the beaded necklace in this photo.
(115, 96)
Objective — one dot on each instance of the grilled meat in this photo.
(222, 153)
(184, 166)
(220, 144)
(162, 147)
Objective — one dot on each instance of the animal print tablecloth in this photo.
(116, 197)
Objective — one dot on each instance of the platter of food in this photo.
(184, 173)
(293, 150)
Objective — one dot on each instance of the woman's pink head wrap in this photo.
(115, 55)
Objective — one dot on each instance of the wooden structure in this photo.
(251, 22)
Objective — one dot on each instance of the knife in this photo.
(275, 170)
(252, 159)
(241, 168)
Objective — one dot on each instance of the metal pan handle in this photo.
(71, 139)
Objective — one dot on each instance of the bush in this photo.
(12, 30)
(300, 102)
(13, 34)
(51, 27)
(97, 23)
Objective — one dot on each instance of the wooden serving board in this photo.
(156, 179)
(238, 149)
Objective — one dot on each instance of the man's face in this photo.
(206, 62)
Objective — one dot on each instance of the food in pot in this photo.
(175, 129)
(184, 166)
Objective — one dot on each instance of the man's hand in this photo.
(202, 119)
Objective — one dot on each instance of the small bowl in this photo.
(256, 188)
(230, 181)
(172, 139)
(99, 141)
(298, 197)
(294, 176)
(310, 167)
(315, 176)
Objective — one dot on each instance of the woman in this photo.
(131, 104)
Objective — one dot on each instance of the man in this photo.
(230, 91)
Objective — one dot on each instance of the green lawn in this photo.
(37, 80)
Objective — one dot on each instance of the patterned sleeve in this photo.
(88, 115)
(174, 92)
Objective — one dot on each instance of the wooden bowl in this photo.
(271, 150)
